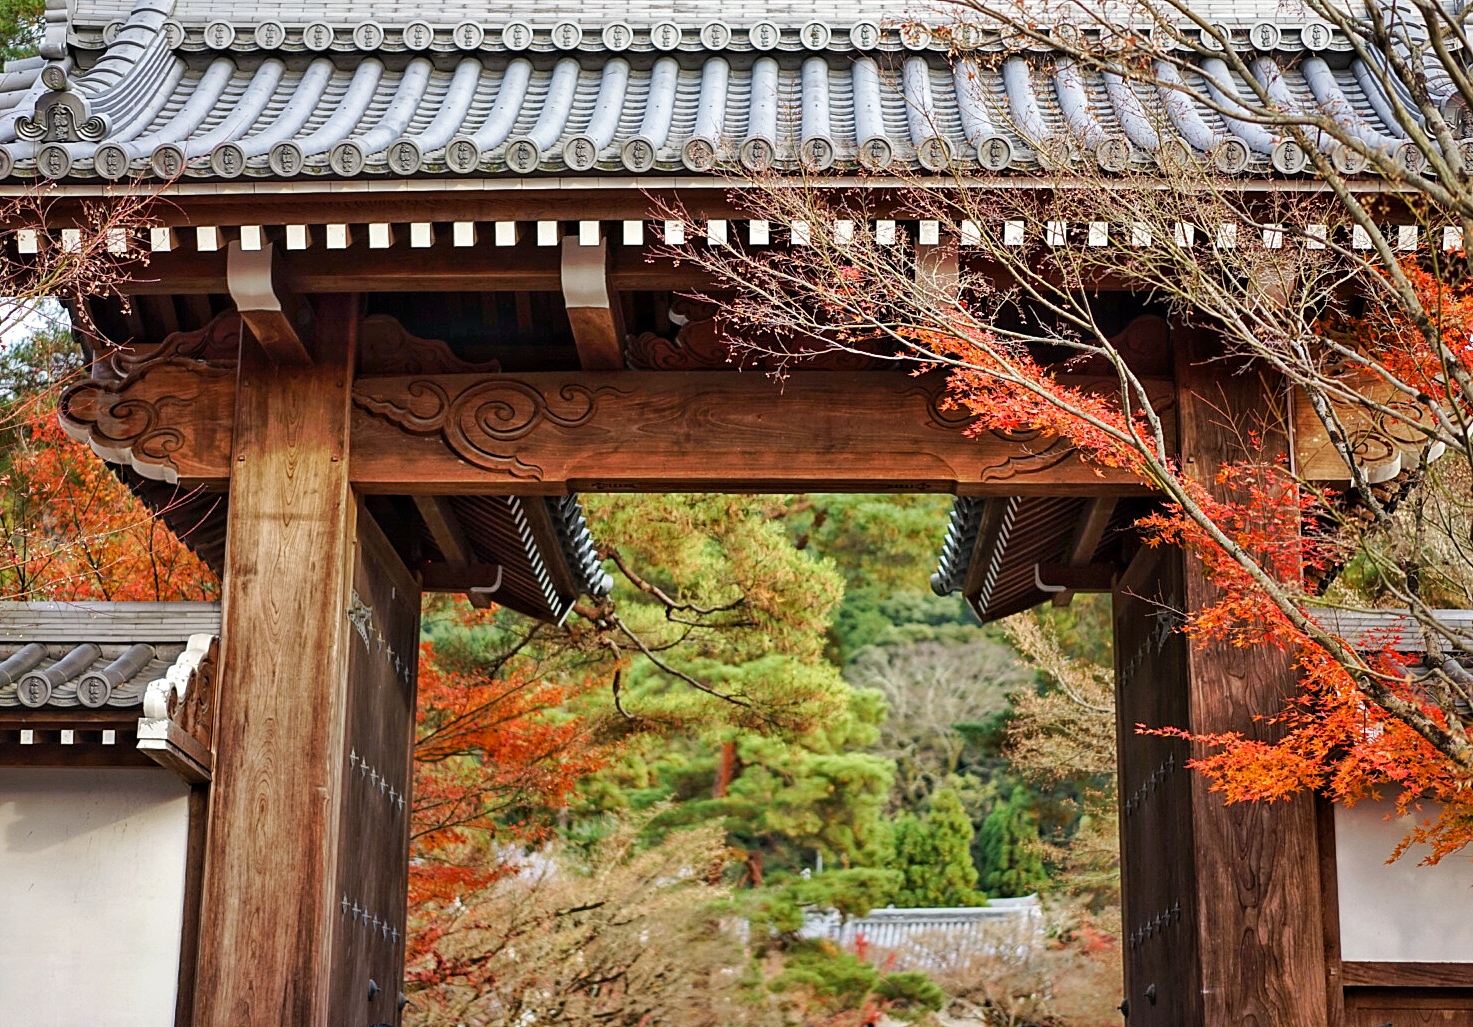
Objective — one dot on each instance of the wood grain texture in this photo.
(1159, 913)
(368, 927)
(1324, 824)
(270, 882)
(548, 433)
(1408, 975)
(194, 869)
(1262, 950)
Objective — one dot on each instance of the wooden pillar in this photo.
(1245, 946)
(271, 896)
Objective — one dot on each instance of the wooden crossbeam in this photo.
(548, 433)
(441, 269)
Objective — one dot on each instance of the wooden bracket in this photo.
(1087, 535)
(1060, 578)
(477, 580)
(249, 275)
(460, 559)
(593, 308)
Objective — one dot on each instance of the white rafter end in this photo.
(1057, 233)
(674, 233)
(160, 240)
(338, 237)
(930, 234)
(1226, 236)
(117, 241)
(633, 233)
(207, 238)
(463, 233)
(971, 233)
(1407, 237)
(1360, 239)
(799, 233)
(843, 232)
(1452, 238)
(1140, 235)
(759, 233)
(547, 233)
(506, 233)
(421, 235)
(884, 233)
(298, 237)
(380, 235)
(251, 237)
(71, 240)
(1012, 233)
(716, 233)
(1273, 237)
(1099, 233)
(1316, 236)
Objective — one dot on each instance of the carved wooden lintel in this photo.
(1383, 445)
(878, 430)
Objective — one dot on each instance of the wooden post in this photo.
(1257, 864)
(271, 893)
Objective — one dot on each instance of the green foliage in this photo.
(934, 856)
(910, 995)
(1008, 848)
(832, 979)
(20, 27)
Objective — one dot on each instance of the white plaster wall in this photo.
(91, 896)
(1400, 912)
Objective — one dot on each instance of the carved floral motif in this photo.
(386, 348)
(702, 343)
(484, 420)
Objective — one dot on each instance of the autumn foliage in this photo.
(495, 755)
(73, 531)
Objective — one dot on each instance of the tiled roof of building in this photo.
(269, 90)
(95, 655)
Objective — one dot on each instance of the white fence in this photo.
(933, 939)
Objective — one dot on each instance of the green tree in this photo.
(934, 856)
(20, 27)
(1009, 850)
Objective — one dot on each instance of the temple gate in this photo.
(405, 301)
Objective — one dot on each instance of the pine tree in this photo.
(1009, 849)
(934, 855)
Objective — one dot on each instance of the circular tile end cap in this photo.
(462, 155)
(995, 152)
(638, 154)
(286, 159)
(346, 158)
(1289, 158)
(523, 155)
(53, 160)
(876, 153)
(227, 160)
(935, 153)
(404, 156)
(699, 154)
(167, 160)
(110, 161)
(1231, 156)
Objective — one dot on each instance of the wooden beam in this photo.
(720, 431)
(548, 433)
(593, 307)
(270, 899)
(249, 276)
(454, 546)
(358, 268)
(1092, 525)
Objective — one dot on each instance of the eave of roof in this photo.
(330, 99)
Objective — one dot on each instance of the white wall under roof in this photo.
(1402, 912)
(91, 896)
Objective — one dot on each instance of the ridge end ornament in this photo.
(61, 116)
(483, 421)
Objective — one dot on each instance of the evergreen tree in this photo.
(1009, 850)
(934, 856)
